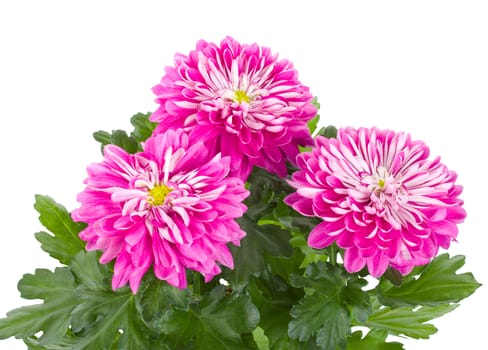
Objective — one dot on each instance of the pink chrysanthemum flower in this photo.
(172, 206)
(241, 100)
(380, 198)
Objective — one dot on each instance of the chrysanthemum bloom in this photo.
(380, 198)
(241, 100)
(171, 206)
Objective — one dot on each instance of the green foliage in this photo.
(62, 241)
(58, 291)
(434, 284)
(143, 128)
(328, 131)
(263, 237)
(374, 340)
(217, 321)
(312, 123)
(325, 311)
(281, 295)
(408, 321)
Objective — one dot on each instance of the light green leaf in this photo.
(374, 340)
(62, 243)
(438, 283)
(312, 123)
(408, 321)
(52, 317)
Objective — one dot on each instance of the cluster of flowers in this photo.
(224, 109)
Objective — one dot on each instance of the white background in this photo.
(68, 68)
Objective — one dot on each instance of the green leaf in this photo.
(357, 300)
(260, 338)
(312, 123)
(118, 138)
(52, 317)
(329, 131)
(374, 340)
(62, 243)
(323, 314)
(436, 283)
(143, 128)
(217, 321)
(103, 137)
(103, 317)
(121, 139)
(89, 272)
(274, 298)
(408, 321)
(156, 298)
(249, 258)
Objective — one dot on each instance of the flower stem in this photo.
(333, 254)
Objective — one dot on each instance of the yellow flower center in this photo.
(381, 183)
(241, 96)
(158, 194)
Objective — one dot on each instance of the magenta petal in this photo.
(172, 206)
(319, 237)
(378, 264)
(353, 262)
(245, 94)
(380, 198)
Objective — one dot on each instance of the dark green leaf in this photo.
(323, 314)
(121, 139)
(374, 340)
(118, 138)
(438, 283)
(329, 131)
(274, 299)
(103, 317)
(408, 321)
(286, 266)
(218, 321)
(143, 128)
(62, 243)
(156, 297)
(322, 277)
(52, 317)
(249, 258)
(103, 137)
(356, 299)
